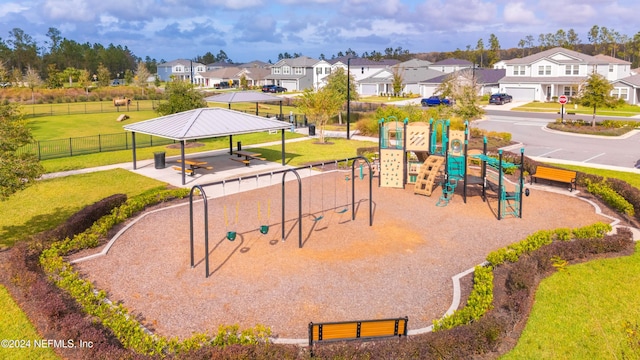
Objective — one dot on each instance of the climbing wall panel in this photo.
(417, 137)
(391, 168)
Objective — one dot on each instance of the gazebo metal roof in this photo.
(206, 123)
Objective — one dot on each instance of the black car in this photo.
(267, 88)
(500, 98)
(277, 89)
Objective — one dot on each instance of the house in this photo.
(293, 74)
(180, 69)
(412, 73)
(367, 74)
(558, 71)
(487, 80)
(628, 89)
(448, 66)
(223, 77)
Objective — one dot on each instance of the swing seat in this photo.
(318, 218)
(342, 211)
(231, 235)
(264, 229)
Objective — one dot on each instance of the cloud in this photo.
(69, 10)
(12, 8)
(519, 13)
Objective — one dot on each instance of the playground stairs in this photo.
(427, 175)
(448, 188)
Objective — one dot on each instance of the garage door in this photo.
(289, 85)
(521, 94)
(369, 89)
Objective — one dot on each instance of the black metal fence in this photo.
(59, 148)
(87, 108)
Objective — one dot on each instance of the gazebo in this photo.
(204, 123)
(245, 96)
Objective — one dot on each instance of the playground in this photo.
(344, 269)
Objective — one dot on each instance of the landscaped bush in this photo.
(610, 197)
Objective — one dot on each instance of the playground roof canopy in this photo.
(242, 96)
(205, 123)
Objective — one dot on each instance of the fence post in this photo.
(99, 143)
(39, 151)
(70, 148)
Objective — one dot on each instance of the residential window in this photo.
(540, 70)
(319, 71)
(297, 71)
(570, 90)
(571, 69)
(276, 70)
(327, 70)
(286, 70)
(620, 93)
(610, 68)
(518, 70)
(178, 68)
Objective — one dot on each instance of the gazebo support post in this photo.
(230, 144)
(282, 132)
(133, 142)
(280, 110)
(256, 109)
(182, 163)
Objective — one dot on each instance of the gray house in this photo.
(293, 74)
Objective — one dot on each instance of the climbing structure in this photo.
(426, 178)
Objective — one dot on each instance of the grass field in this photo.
(626, 110)
(580, 313)
(50, 202)
(307, 152)
(16, 326)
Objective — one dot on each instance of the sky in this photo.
(248, 30)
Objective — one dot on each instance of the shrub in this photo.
(610, 197)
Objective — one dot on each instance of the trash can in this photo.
(159, 159)
(312, 130)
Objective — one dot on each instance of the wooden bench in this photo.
(246, 162)
(559, 175)
(186, 170)
(356, 330)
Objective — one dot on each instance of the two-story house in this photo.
(180, 69)
(548, 74)
(448, 66)
(367, 74)
(293, 74)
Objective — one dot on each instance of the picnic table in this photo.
(193, 166)
(248, 156)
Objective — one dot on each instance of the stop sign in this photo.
(562, 99)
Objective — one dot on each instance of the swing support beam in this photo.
(205, 200)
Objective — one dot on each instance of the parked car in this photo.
(500, 98)
(267, 88)
(5, 84)
(277, 89)
(435, 101)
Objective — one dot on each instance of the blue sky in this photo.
(249, 30)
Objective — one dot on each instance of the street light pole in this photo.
(348, 95)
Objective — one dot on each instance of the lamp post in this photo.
(348, 95)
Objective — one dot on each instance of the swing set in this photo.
(264, 225)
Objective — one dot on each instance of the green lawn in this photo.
(50, 202)
(306, 152)
(626, 110)
(632, 178)
(580, 313)
(16, 326)
(78, 125)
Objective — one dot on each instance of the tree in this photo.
(244, 84)
(398, 79)
(595, 92)
(182, 96)
(104, 75)
(32, 78)
(494, 50)
(480, 51)
(53, 77)
(462, 87)
(84, 78)
(17, 170)
(320, 105)
(337, 82)
(142, 76)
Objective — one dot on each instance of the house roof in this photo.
(483, 76)
(414, 63)
(358, 61)
(409, 76)
(205, 123)
(453, 61)
(611, 59)
(222, 73)
(179, 62)
(254, 64)
(633, 80)
(569, 80)
(301, 61)
(573, 57)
